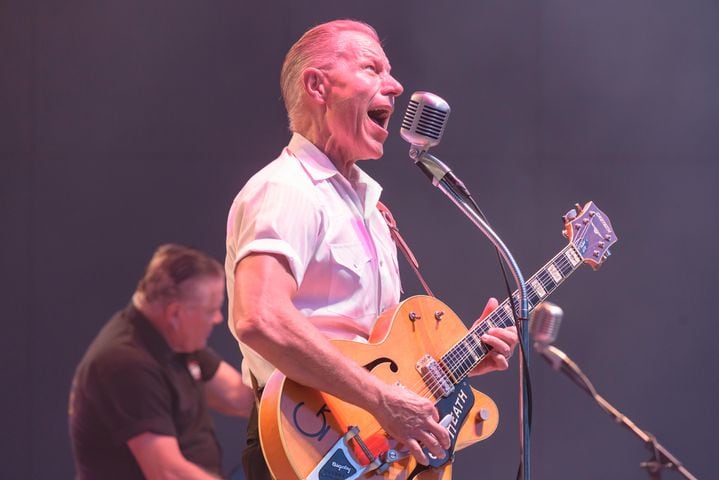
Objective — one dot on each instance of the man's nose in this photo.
(392, 86)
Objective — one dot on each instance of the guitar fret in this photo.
(564, 266)
(532, 299)
(502, 317)
(475, 346)
(507, 309)
(466, 363)
(536, 285)
(573, 257)
(554, 273)
(469, 351)
(548, 282)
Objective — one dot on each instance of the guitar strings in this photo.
(432, 387)
(544, 279)
(463, 354)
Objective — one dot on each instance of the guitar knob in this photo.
(482, 415)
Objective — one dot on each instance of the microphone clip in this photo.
(436, 170)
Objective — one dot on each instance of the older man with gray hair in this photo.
(140, 396)
(309, 255)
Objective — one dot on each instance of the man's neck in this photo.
(154, 313)
(324, 141)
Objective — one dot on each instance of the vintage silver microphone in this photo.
(423, 126)
(424, 121)
(544, 325)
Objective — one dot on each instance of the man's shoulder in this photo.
(119, 358)
(283, 176)
(286, 169)
(116, 351)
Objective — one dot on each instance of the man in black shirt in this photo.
(140, 396)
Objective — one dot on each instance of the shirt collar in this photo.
(319, 167)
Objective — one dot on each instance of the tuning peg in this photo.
(569, 216)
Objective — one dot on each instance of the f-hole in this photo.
(376, 363)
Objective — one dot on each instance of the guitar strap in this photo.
(402, 245)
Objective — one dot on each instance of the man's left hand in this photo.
(502, 340)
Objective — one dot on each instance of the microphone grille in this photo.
(544, 323)
(424, 121)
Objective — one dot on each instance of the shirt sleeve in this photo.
(278, 218)
(209, 361)
(132, 397)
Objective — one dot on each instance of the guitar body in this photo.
(308, 434)
(299, 425)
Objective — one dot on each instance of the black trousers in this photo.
(253, 462)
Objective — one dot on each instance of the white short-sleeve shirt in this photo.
(335, 240)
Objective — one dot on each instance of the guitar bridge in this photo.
(340, 463)
(434, 376)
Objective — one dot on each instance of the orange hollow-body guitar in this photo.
(422, 345)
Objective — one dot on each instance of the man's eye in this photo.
(371, 68)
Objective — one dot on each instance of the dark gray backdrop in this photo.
(130, 123)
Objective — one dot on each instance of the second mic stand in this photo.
(443, 178)
(660, 459)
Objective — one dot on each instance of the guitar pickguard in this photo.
(458, 404)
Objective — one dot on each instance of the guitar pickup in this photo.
(434, 376)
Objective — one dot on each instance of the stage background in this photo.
(126, 124)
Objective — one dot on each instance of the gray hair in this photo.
(316, 48)
(170, 267)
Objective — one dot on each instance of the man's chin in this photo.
(375, 149)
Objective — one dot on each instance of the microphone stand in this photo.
(661, 457)
(443, 178)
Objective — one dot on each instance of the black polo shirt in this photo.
(130, 382)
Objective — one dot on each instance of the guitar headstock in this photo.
(591, 233)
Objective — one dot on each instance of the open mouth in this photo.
(380, 116)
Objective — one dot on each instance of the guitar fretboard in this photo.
(469, 351)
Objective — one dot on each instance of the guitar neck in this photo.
(469, 351)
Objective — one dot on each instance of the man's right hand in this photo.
(413, 421)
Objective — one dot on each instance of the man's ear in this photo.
(172, 312)
(314, 81)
